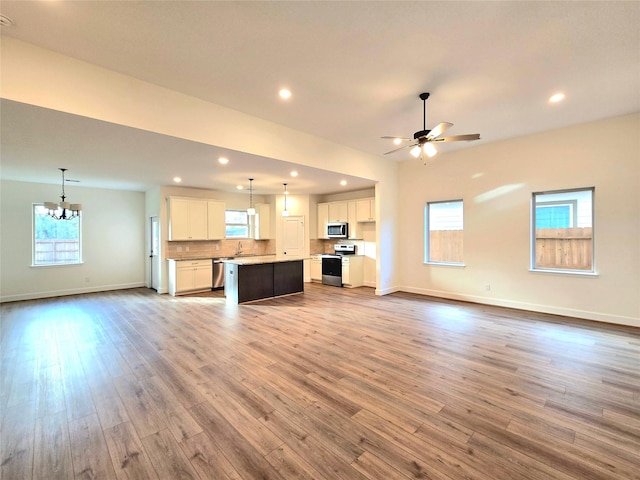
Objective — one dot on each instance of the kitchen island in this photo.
(247, 279)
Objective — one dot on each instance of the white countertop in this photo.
(254, 260)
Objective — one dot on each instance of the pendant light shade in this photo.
(251, 211)
(63, 210)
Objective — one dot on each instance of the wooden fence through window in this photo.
(57, 251)
(567, 248)
(564, 248)
(445, 246)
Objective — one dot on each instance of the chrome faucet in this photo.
(239, 249)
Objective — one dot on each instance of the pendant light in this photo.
(251, 211)
(63, 210)
(285, 212)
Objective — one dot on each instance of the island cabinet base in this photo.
(288, 277)
(247, 283)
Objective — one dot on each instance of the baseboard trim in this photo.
(532, 307)
(387, 291)
(71, 291)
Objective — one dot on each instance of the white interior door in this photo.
(154, 254)
(293, 236)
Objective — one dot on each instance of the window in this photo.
(443, 232)
(236, 223)
(563, 230)
(55, 242)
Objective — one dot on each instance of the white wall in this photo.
(113, 242)
(496, 182)
(81, 88)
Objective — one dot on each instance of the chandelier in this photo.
(63, 210)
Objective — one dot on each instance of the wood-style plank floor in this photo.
(331, 384)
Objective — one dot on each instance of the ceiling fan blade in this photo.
(400, 148)
(458, 138)
(439, 130)
(393, 138)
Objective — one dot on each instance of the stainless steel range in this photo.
(332, 264)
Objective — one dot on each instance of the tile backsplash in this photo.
(229, 248)
(218, 248)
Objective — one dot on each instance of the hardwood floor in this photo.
(332, 384)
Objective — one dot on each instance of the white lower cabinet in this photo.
(187, 276)
(316, 268)
(352, 271)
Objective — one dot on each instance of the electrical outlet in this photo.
(178, 249)
(87, 279)
(186, 249)
(487, 287)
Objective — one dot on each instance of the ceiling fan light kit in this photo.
(429, 149)
(425, 138)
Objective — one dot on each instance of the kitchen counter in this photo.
(247, 279)
(257, 259)
(224, 257)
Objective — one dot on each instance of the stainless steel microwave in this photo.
(338, 230)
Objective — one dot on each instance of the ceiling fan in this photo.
(426, 138)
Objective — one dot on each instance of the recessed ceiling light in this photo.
(558, 97)
(239, 187)
(285, 93)
(294, 173)
(343, 182)
(223, 160)
(397, 141)
(177, 179)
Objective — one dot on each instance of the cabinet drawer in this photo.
(194, 264)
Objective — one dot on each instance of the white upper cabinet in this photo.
(323, 218)
(338, 212)
(353, 221)
(187, 219)
(262, 222)
(216, 228)
(351, 211)
(366, 210)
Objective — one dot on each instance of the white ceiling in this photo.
(355, 69)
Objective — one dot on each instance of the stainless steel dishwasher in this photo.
(218, 274)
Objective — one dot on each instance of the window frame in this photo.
(227, 224)
(574, 219)
(573, 209)
(427, 230)
(34, 240)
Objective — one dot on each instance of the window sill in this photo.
(446, 264)
(576, 273)
(56, 265)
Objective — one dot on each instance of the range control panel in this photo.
(344, 249)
